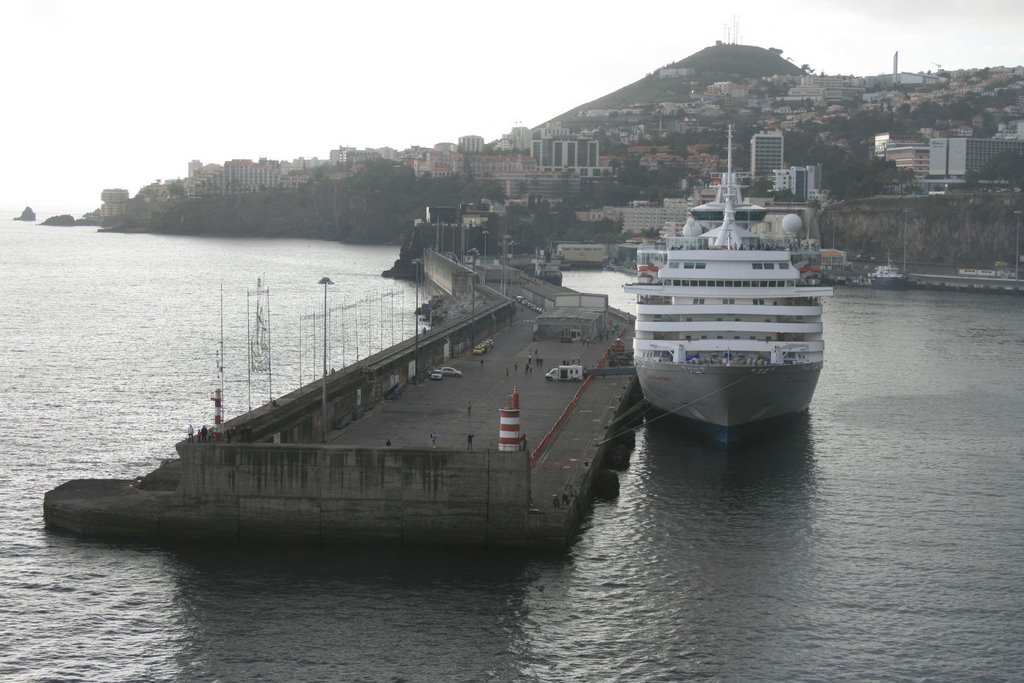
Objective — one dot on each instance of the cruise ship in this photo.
(728, 320)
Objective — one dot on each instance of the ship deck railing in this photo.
(738, 360)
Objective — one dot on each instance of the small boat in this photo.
(887, 276)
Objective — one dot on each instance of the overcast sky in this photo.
(104, 93)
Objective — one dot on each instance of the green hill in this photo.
(719, 62)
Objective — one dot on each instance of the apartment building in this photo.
(766, 153)
(911, 156)
(114, 202)
(471, 144)
(803, 181)
(557, 150)
(641, 216)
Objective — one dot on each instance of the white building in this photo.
(803, 181)
(472, 144)
(643, 216)
(955, 157)
(114, 202)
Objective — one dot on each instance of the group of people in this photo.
(203, 434)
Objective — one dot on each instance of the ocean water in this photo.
(878, 537)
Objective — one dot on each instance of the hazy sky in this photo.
(117, 94)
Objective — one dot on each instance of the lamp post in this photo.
(416, 321)
(507, 243)
(486, 233)
(1016, 252)
(323, 425)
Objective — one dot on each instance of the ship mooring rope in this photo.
(644, 403)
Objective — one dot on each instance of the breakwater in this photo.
(383, 454)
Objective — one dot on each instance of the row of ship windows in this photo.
(727, 283)
(756, 302)
(675, 319)
(691, 265)
(704, 336)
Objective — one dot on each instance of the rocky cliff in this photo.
(323, 210)
(952, 229)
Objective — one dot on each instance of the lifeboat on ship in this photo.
(810, 275)
(647, 275)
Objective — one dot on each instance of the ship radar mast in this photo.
(727, 236)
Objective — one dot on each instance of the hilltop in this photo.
(715, 63)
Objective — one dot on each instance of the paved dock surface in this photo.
(456, 407)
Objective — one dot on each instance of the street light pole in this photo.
(486, 233)
(416, 321)
(1016, 265)
(323, 425)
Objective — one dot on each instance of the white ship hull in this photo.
(729, 402)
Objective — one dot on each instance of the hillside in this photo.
(715, 63)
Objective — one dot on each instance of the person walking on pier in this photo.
(433, 439)
(191, 433)
(469, 441)
(202, 434)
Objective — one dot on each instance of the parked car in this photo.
(436, 374)
(451, 372)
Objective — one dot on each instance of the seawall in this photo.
(312, 495)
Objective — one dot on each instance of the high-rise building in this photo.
(114, 202)
(520, 137)
(472, 144)
(766, 153)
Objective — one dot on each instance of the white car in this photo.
(436, 374)
(451, 372)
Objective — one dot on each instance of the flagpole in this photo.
(248, 338)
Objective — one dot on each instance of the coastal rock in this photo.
(27, 215)
(66, 220)
(63, 220)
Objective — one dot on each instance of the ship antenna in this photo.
(728, 168)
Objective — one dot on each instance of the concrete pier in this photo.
(379, 476)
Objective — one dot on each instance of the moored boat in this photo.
(887, 276)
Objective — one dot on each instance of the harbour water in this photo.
(879, 537)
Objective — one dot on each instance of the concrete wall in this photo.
(331, 493)
(447, 275)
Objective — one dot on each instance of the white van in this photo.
(565, 373)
